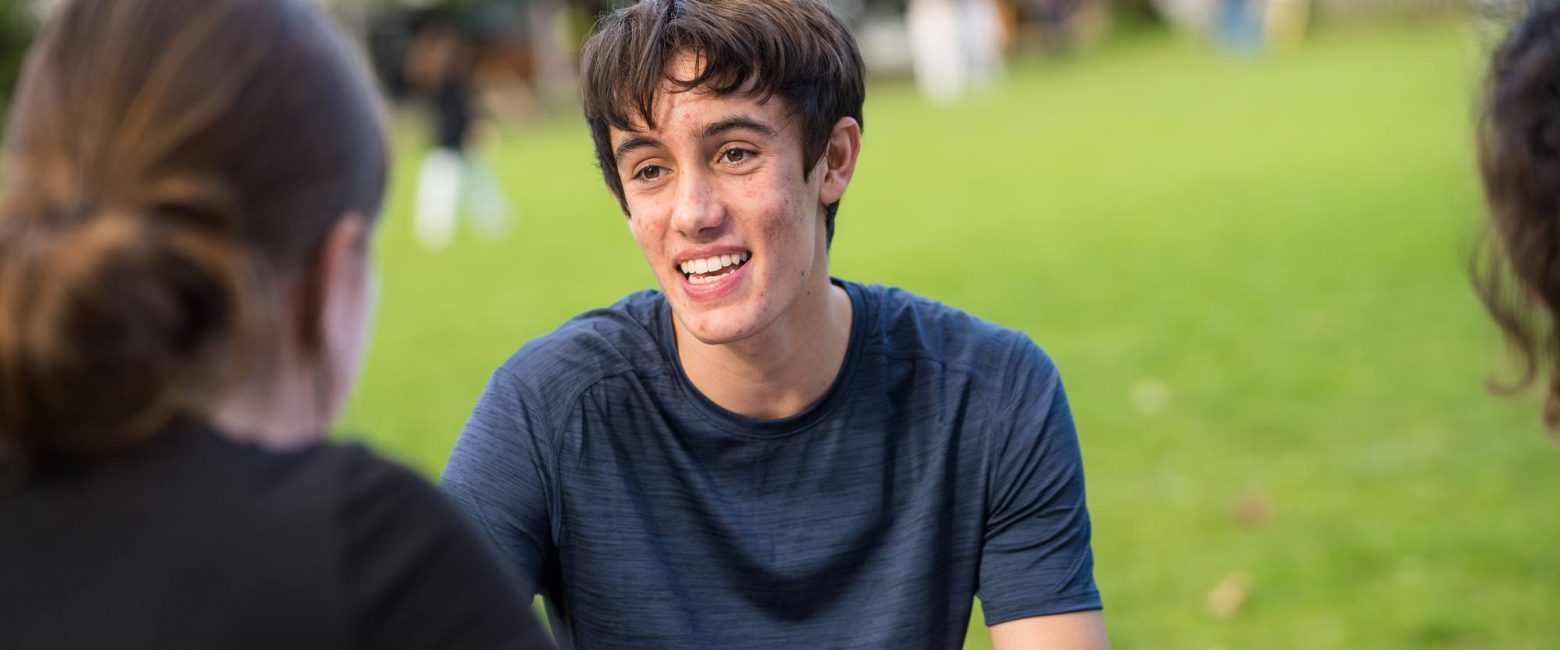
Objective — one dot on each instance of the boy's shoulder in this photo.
(595, 345)
(905, 325)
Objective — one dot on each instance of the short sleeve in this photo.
(416, 575)
(1036, 558)
(496, 476)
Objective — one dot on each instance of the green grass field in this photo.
(1249, 272)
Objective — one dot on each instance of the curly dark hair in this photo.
(1517, 270)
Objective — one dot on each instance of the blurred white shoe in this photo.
(439, 183)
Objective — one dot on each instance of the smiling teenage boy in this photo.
(758, 455)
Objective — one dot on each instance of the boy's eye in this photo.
(735, 155)
(649, 173)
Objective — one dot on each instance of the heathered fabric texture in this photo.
(943, 464)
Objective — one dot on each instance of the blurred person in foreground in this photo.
(1518, 276)
(189, 192)
(760, 455)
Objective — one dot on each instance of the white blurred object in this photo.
(1197, 15)
(983, 41)
(489, 208)
(955, 46)
(934, 49)
(449, 181)
(438, 197)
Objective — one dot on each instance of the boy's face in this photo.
(721, 210)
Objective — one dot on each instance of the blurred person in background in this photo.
(1518, 277)
(760, 455)
(185, 283)
(955, 46)
(440, 67)
(1055, 19)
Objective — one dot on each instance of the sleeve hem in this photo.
(1082, 601)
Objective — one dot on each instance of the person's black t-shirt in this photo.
(192, 541)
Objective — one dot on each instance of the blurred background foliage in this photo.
(17, 25)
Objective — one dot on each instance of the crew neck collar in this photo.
(754, 427)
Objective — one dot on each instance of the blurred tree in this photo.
(16, 29)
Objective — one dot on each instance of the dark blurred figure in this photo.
(1054, 19)
(1519, 157)
(441, 64)
(440, 69)
(185, 228)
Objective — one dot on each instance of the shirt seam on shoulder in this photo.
(1018, 337)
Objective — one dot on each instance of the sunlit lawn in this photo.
(1250, 273)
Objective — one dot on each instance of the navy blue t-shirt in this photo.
(941, 465)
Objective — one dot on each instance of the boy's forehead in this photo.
(675, 103)
(677, 110)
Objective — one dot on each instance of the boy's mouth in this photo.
(713, 268)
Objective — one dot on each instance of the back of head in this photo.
(797, 50)
(166, 164)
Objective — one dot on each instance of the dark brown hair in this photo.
(166, 163)
(1517, 271)
(798, 50)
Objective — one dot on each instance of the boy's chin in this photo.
(718, 327)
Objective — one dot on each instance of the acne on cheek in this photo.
(751, 188)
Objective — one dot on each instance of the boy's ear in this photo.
(839, 159)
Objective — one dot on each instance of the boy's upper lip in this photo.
(707, 252)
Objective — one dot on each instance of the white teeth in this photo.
(712, 264)
(706, 279)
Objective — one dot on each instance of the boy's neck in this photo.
(780, 371)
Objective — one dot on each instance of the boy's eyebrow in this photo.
(739, 122)
(728, 124)
(634, 142)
